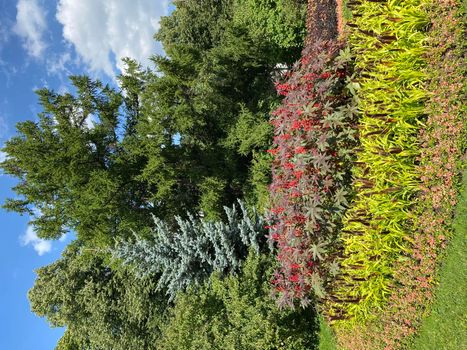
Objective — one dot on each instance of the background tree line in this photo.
(187, 136)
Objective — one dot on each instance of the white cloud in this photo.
(41, 246)
(57, 64)
(106, 30)
(3, 127)
(4, 34)
(3, 156)
(30, 26)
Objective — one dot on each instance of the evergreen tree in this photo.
(236, 312)
(101, 307)
(280, 23)
(73, 171)
(197, 248)
(213, 91)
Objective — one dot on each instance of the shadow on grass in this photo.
(444, 328)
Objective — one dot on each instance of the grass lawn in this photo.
(445, 327)
(327, 341)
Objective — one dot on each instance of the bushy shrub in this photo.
(281, 22)
(236, 312)
(314, 134)
(192, 251)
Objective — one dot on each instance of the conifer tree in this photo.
(100, 306)
(236, 312)
(196, 248)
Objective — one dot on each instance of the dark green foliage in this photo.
(198, 24)
(280, 23)
(249, 136)
(75, 175)
(101, 307)
(237, 313)
(195, 249)
(215, 90)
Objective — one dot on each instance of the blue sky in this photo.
(41, 43)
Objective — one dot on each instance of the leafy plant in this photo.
(314, 134)
(388, 39)
(101, 307)
(236, 312)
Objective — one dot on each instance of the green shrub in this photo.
(101, 307)
(237, 313)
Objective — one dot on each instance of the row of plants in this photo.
(442, 140)
(314, 134)
(388, 39)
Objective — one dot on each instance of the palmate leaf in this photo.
(318, 250)
(322, 142)
(316, 283)
(321, 162)
(334, 120)
(309, 109)
(334, 268)
(340, 198)
(313, 211)
(350, 109)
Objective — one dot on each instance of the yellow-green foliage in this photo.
(388, 40)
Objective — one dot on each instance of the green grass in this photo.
(346, 11)
(445, 328)
(327, 341)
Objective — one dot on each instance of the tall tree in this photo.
(215, 82)
(236, 312)
(101, 307)
(73, 172)
(189, 137)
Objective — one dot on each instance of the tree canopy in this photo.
(236, 313)
(100, 306)
(189, 136)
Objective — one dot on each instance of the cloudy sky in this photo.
(42, 42)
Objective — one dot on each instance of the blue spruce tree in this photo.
(189, 254)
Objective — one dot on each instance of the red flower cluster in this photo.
(308, 172)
